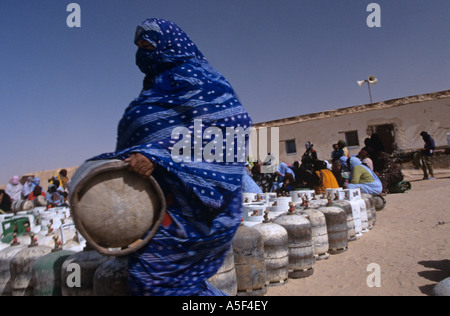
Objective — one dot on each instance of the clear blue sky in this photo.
(63, 90)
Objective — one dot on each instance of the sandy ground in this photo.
(410, 242)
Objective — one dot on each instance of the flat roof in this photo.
(356, 109)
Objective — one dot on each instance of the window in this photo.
(351, 138)
(290, 147)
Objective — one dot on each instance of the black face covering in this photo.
(147, 62)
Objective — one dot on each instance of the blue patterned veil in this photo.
(186, 109)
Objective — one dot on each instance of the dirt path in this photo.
(410, 242)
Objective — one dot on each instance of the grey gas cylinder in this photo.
(442, 288)
(337, 228)
(276, 251)
(22, 205)
(379, 202)
(6, 256)
(301, 249)
(319, 233)
(22, 268)
(111, 278)
(249, 262)
(105, 197)
(225, 279)
(370, 206)
(361, 204)
(347, 207)
(77, 273)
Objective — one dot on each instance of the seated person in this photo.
(287, 185)
(37, 191)
(336, 153)
(363, 155)
(27, 188)
(55, 195)
(263, 180)
(361, 176)
(324, 178)
(281, 173)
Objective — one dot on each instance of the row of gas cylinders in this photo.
(32, 261)
(285, 242)
(284, 245)
(48, 226)
(35, 270)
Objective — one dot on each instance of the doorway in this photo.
(386, 132)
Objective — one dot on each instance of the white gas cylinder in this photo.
(253, 213)
(280, 205)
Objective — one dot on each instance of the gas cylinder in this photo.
(21, 205)
(301, 249)
(77, 274)
(279, 206)
(319, 233)
(355, 198)
(442, 288)
(46, 272)
(336, 220)
(19, 226)
(379, 202)
(249, 198)
(318, 200)
(357, 216)
(225, 279)
(6, 256)
(296, 197)
(249, 262)
(22, 267)
(276, 251)
(40, 201)
(111, 278)
(368, 212)
(106, 199)
(347, 207)
(335, 193)
(253, 213)
(265, 198)
(364, 214)
(371, 211)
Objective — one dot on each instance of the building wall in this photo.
(409, 116)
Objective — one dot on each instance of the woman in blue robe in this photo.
(281, 172)
(200, 173)
(350, 164)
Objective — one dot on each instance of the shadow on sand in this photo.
(441, 271)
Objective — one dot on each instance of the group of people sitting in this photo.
(372, 170)
(56, 194)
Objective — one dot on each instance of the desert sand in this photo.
(410, 242)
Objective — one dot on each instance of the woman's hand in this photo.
(140, 165)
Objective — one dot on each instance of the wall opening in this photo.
(386, 133)
(291, 148)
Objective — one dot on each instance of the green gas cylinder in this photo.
(46, 273)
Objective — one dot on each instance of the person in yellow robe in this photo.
(325, 179)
